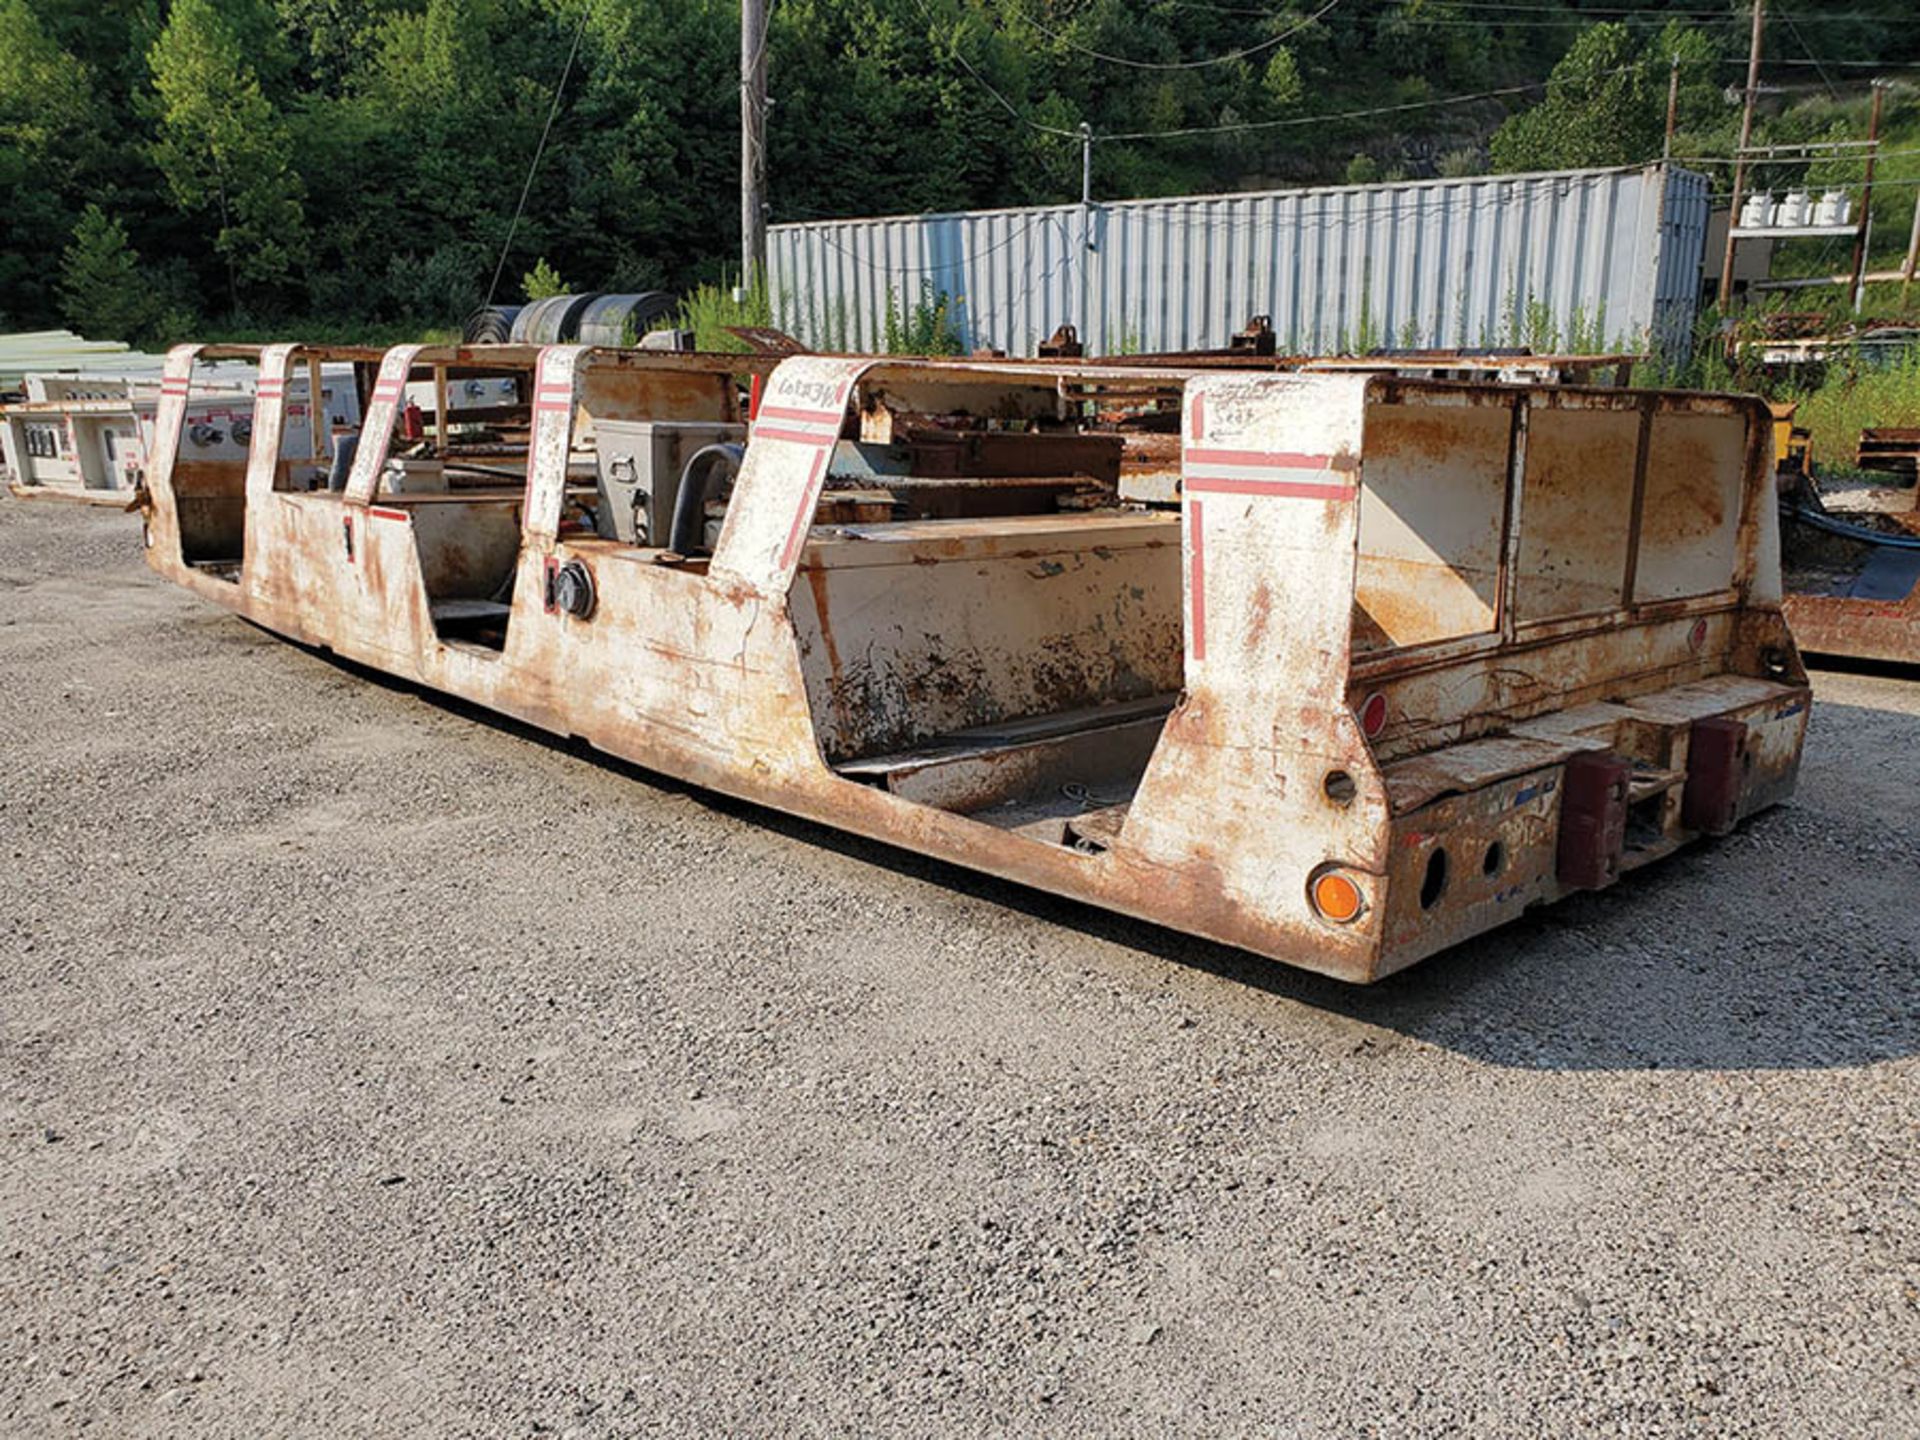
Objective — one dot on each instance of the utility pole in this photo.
(1673, 105)
(1086, 231)
(753, 141)
(1858, 290)
(1740, 157)
(1913, 254)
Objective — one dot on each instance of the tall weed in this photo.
(709, 309)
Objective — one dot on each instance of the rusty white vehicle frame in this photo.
(1405, 659)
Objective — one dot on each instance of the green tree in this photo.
(543, 281)
(49, 139)
(329, 35)
(1282, 81)
(453, 97)
(1602, 107)
(222, 146)
(103, 293)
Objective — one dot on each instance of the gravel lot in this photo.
(368, 1066)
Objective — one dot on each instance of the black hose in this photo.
(1831, 526)
(705, 473)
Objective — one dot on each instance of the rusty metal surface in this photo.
(1896, 451)
(1022, 664)
(1846, 596)
(766, 340)
(1885, 630)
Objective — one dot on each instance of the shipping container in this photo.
(1569, 260)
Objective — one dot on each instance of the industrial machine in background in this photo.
(87, 437)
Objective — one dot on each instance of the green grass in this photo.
(929, 326)
(1852, 398)
(709, 309)
(1849, 396)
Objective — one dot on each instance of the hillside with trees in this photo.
(354, 165)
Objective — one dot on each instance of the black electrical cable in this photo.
(534, 165)
(1841, 528)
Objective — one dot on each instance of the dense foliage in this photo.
(358, 162)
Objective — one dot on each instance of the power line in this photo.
(1266, 44)
(1764, 160)
(1463, 22)
(1295, 121)
(539, 150)
(1589, 12)
(1632, 13)
(1851, 64)
(1801, 40)
(1031, 224)
(1585, 15)
(1879, 182)
(1005, 104)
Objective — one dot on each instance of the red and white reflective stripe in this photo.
(385, 514)
(552, 398)
(804, 427)
(1196, 580)
(174, 387)
(1197, 415)
(803, 512)
(1280, 473)
(388, 391)
(271, 389)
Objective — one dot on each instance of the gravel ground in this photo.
(371, 1067)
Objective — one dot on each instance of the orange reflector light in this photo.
(1336, 897)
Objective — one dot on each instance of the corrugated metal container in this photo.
(1577, 259)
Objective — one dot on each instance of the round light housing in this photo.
(1336, 897)
(1373, 715)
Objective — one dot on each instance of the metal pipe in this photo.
(753, 141)
(1913, 253)
(1673, 105)
(1740, 158)
(1086, 229)
(1859, 286)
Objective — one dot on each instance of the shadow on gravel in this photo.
(1819, 664)
(1649, 975)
